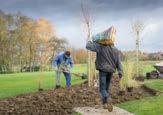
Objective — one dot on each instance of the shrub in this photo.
(129, 70)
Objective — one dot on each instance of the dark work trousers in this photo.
(68, 79)
(104, 80)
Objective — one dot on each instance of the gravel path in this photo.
(101, 111)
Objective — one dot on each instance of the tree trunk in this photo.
(137, 55)
(30, 57)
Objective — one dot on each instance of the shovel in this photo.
(82, 75)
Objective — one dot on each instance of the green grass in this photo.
(148, 105)
(156, 84)
(147, 66)
(145, 106)
(20, 83)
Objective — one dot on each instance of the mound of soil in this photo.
(62, 101)
(140, 78)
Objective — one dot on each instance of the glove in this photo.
(120, 75)
(70, 70)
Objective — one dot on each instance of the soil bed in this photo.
(62, 101)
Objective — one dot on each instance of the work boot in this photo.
(104, 102)
(110, 106)
(105, 106)
(58, 86)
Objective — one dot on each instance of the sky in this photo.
(68, 22)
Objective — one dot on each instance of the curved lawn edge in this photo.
(148, 105)
(155, 84)
(145, 106)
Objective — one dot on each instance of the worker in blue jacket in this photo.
(63, 63)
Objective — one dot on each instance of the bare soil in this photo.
(62, 101)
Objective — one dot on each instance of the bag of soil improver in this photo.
(106, 38)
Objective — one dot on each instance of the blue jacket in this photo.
(60, 58)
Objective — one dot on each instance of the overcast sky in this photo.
(68, 22)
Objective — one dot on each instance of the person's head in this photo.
(67, 54)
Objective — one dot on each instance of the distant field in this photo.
(19, 83)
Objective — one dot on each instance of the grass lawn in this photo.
(148, 105)
(19, 83)
(147, 66)
(155, 84)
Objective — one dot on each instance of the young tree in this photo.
(45, 32)
(90, 58)
(137, 27)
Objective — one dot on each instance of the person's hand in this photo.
(120, 76)
(70, 70)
